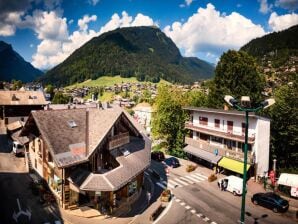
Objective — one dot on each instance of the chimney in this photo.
(226, 107)
(87, 131)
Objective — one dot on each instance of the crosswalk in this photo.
(182, 181)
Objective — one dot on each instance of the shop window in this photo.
(216, 139)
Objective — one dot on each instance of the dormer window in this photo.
(72, 124)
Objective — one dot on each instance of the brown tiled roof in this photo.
(22, 98)
(15, 125)
(21, 139)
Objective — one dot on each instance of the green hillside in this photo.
(142, 52)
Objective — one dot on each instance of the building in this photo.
(143, 113)
(90, 157)
(17, 105)
(218, 136)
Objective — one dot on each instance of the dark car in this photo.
(158, 156)
(172, 161)
(271, 201)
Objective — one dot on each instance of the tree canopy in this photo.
(236, 74)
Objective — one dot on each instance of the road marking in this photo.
(174, 183)
(177, 200)
(161, 185)
(146, 173)
(200, 215)
(57, 222)
(185, 179)
(182, 203)
(187, 207)
(16, 215)
(213, 223)
(168, 184)
(193, 211)
(196, 177)
(180, 181)
(193, 179)
(200, 175)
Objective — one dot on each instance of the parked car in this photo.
(158, 156)
(18, 148)
(232, 184)
(271, 201)
(172, 161)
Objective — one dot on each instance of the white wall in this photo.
(34, 156)
(237, 122)
(262, 142)
(144, 117)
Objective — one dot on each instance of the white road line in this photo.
(185, 179)
(161, 185)
(168, 184)
(193, 179)
(177, 200)
(201, 175)
(180, 181)
(199, 178)
(193, 211)
(150, 170)
(206, 219)
(213, 223)
(146, 173)
(200, 215)
(187, 207)
(182, 203)
(174, 183)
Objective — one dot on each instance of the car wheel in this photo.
(275, 210)
(234, 193)
(255, 202)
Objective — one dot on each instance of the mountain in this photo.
(142, 52)
(13, 66)
(276, 47)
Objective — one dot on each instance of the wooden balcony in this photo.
(118, 140)
(221, 134)
(221, 151)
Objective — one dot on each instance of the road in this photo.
(17, 203)
(198, 201)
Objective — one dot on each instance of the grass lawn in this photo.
(107, 81)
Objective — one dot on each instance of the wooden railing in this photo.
(118, 140)
(221, 151)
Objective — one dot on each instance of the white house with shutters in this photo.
(218, 136)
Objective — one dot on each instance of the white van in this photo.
(18, 148)
(232, 184)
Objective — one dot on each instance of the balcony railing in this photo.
(221, 151)
(118, 140)
(218, 133)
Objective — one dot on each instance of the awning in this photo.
(288, 179)
(202, 154)
(232, 165)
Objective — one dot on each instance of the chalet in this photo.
(217, 137)
(91, 157)
(143, 113)
(17, 105)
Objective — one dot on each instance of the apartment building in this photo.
(218, 136)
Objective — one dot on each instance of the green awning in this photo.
(232, 165)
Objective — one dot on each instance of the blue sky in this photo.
(47, 32)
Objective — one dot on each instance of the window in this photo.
(216, 123)
(203, 120)
(243, 128)
(230, 126)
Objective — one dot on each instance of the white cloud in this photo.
(282, 22)
(188, 2)
(287, 4)
(264, 6)
(210, 32)
(31, 45)
(51, 51)
(47, 25)
(9, 23)
(70, 21)
(181, 5)
(83, 23)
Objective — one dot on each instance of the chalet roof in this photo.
(21, 139)
(22, 98)
(15, 125)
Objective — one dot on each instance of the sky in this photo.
(46, 32)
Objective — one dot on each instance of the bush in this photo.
(190, 168)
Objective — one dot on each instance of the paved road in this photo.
(17, 203)
(199, 201)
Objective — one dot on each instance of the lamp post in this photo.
(246, 107)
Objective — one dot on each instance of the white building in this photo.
(217, 136)
(143, 113)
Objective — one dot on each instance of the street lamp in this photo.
(246, 107)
